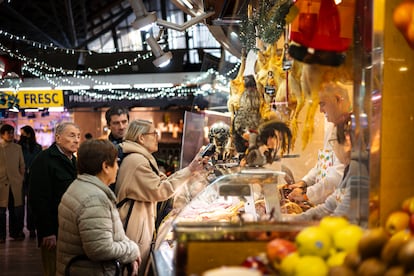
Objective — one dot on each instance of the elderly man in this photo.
(335, 102)
(51, 173)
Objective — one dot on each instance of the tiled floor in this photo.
(20, 258)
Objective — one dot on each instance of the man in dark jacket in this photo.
(117, 119)
(51, 173)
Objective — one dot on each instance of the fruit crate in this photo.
(203, 246)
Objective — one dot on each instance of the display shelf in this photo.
(231, 214)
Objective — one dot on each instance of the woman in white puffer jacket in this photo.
(89, 223)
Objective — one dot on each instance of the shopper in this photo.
(90, 228)
(11, 182)
(141, 185)
(335, 103)
(30, 149)
(117, 119)
(338, 203)
(51, 173)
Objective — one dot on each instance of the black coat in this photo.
(50, 175)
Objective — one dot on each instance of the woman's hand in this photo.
(49, 242)
(198, 162)
(134, 268)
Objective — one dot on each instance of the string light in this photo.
(57, 76)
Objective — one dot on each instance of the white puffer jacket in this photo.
(89, 224)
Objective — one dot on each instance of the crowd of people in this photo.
(91, 213)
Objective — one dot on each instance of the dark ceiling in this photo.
(72, 24)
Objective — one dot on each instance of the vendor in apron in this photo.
(335, 103)
(323, 178)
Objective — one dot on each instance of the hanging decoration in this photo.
(322, 33)
(267, 23)
(271, 19)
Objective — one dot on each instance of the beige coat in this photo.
(137, 180)
(11, 173)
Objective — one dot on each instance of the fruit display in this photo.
(387, 250)
(403, 19)
(316, 250)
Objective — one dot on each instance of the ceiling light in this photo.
(35, 88)
(162, 59)
(111, 86)
(154, 85)
(143, 19)
(187, 24)
(73, 87)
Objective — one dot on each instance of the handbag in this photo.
(77, 258)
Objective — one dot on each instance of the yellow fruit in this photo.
(404, 235)
(347, 238)
(402, 15)
(288, 264)
(336, 259)
(405, 206)
(396, 221)
(311, 265)
(389, 253)
(313, 240)
(333, 224)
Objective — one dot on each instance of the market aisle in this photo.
(19, 258)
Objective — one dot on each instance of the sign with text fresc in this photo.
(38, 98)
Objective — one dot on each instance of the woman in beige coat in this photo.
(140, 180)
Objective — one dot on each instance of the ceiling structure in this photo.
(75, 24)
(70, 38)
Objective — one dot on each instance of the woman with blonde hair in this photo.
(140, 184)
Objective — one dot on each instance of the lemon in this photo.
(313, 240)
(336, 259)
(347, 239)
(333, 224)
(311, 265)
(288, 264)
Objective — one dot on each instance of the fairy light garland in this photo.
(57, 76)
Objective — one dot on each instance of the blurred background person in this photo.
(89, 223)
(11, 185)
(335, 103)
(339, 202)
(140, 185)
(30, 149)
(117, 119)
(51, 173)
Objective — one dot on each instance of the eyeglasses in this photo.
(151, 133)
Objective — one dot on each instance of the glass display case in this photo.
(240, 210)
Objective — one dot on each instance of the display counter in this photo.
(232, 218)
